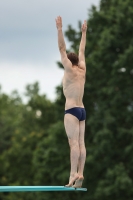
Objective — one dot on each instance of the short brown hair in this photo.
(73, 58)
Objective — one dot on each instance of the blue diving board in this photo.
(38, 188)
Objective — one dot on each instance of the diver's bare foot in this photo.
(78, 182)
(72, 179)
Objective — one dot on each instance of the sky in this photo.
(28, 41)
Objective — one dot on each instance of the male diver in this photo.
(75, 115)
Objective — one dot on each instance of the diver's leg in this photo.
(72, 130)
(82, 156)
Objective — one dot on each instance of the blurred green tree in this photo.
(29, 123)
(9, 117)
(108, 99)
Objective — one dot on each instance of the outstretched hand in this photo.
(58, 22)
(84, 26)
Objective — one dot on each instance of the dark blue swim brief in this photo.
(78, 112)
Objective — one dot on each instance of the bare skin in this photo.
(73, 88)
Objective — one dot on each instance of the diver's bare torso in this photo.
(73, 86)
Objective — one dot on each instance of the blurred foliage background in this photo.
(33, 143)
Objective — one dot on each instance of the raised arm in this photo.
(61, 43)
(82, 43)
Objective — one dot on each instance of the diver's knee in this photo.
(73, 143)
